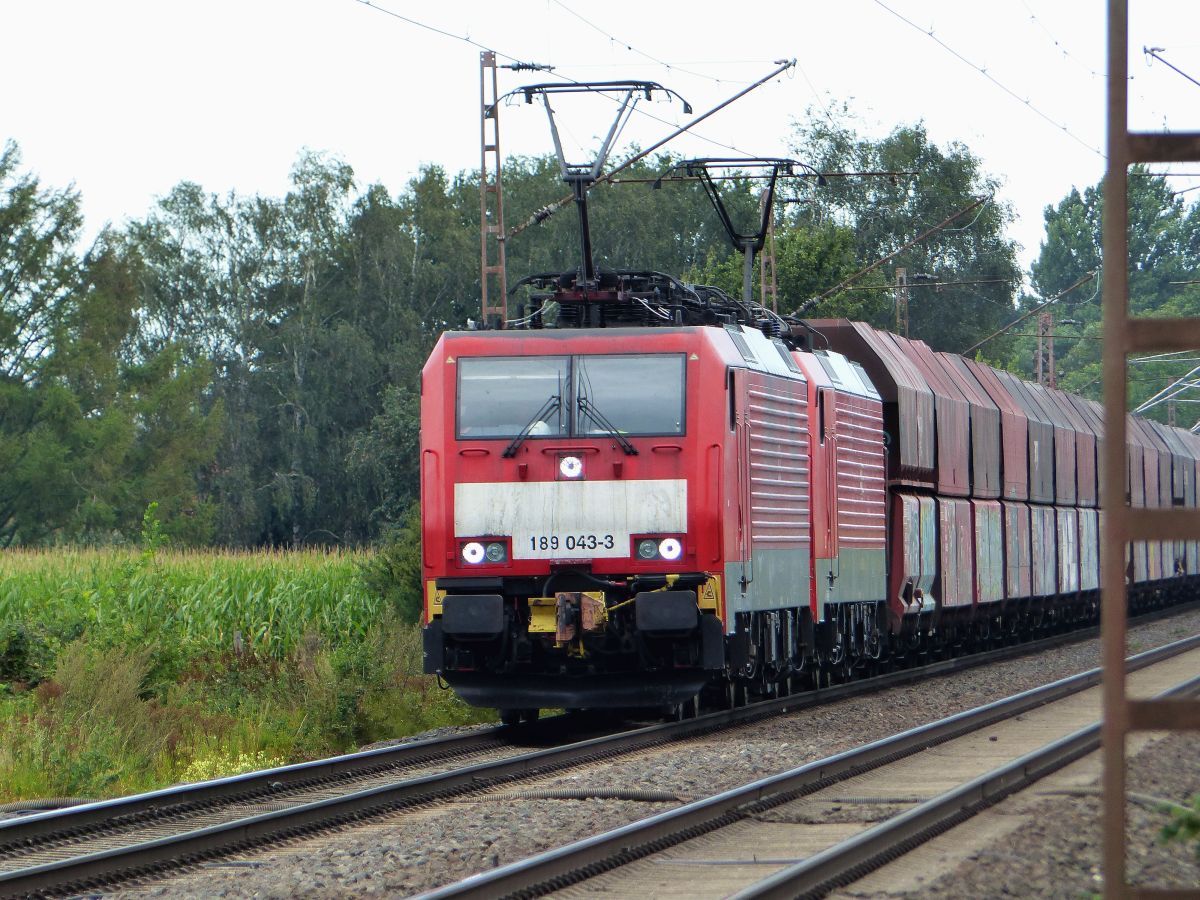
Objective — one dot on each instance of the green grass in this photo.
(124, 670)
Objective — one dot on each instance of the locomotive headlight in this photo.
(473, 553)
(496, 552)
(669, 549)
(570, 466)
(647, 549)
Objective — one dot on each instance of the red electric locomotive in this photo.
(626, 516)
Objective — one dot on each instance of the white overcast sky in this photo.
(126, 98)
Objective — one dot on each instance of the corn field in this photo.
(201, 599)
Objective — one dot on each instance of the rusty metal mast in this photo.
(902, 301)
(1125, 334)
(493, 279)
(768, 284)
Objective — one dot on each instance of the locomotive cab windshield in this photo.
(576, 396)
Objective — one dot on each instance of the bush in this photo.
(26, 653)
(88, 731)
(155, 666)
(394, 571)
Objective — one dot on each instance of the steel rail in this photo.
(24, 829)
(140, 859)
(846, 862)
(584, 859)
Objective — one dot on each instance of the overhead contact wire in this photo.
(992, 78)
(467, 39)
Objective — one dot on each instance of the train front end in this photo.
(571, 516)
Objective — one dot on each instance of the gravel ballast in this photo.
(1057, 852)
(406, 853)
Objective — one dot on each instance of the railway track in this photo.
(825, 824)
(146, 835)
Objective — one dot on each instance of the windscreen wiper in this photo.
(552, 404)
(596, 416)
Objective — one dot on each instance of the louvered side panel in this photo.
(779, 465)
(861, 474)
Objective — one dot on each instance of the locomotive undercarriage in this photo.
(578, 642)
(680, 661)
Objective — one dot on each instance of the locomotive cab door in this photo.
(825, 549)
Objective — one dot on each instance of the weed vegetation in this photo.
(126, 670)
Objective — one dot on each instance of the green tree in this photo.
(1164, 235)
(79, 437)
(972, 257)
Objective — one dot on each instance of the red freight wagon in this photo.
(1084, 464)
(907, 399)
(985, 427)
(951, 418)
(1087, 450)
(914, 555)
(1068, 550)
(1065, 488)
(987, 519)
(1136, 473)
(1064, 444)
(1043, 534)
(1151, 487)
(1182, 476)
(1014, 433)
(1192, 442)
(1089, 549)
(1018, 550)
(1162, 454)
(1041, 440)
(955, 583)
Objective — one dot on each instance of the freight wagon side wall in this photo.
(951, 412)
(1068, 550)
(989, 550)
(954, 586)
(1041, 440)
(1018, 549)
(1087, 445)
(1042, 533)
(1014, 433)
(985, 428)
(1089, 549)
(1064, 444)
(913, 555)
(907, 400)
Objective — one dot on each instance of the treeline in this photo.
(251, 363)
